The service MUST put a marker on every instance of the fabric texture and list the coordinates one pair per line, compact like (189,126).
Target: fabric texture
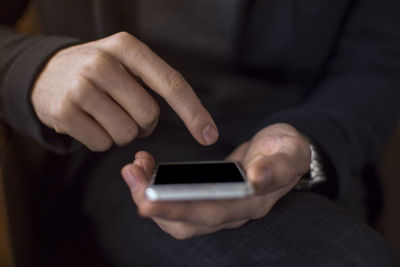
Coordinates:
(328,67)
(303,229)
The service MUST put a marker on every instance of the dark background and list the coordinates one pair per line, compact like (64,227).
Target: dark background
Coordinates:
(389,220)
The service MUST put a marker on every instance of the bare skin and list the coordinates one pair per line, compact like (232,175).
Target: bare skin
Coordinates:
(274,160)
(91,92)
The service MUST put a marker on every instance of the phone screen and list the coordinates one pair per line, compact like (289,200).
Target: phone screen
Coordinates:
(192,173)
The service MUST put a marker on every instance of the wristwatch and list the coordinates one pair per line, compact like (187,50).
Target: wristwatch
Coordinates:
(315,176)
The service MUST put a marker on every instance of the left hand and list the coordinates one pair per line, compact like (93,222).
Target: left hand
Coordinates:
(273,160)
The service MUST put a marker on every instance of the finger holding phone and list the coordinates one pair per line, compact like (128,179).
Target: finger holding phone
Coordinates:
(273,161)
(92,92)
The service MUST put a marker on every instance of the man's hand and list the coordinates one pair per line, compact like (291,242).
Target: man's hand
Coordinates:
(91,93)
(274,160)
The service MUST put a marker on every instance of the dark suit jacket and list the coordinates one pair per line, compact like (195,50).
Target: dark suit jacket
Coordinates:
(338,61)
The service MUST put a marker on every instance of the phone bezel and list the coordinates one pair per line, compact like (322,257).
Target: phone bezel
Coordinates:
(198,191)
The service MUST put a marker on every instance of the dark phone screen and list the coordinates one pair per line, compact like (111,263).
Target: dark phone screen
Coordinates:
(193,173)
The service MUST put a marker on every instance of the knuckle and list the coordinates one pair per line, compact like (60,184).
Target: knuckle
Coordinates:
(148,209)
(59,128)
(150,116)
(287,128)
(102,146)
(127,45)
(265,206)
(61,112)
(96,61)
(298,142)
(79,90)
(287,139)
(146,133)
(175,83)
(127,135)
(143,212)
(119,39)
(122,36)
(181,232)
(262,212)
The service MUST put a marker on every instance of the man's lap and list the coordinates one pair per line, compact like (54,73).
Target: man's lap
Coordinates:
(303,229)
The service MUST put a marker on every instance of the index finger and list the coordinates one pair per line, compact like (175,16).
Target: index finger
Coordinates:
(165,81)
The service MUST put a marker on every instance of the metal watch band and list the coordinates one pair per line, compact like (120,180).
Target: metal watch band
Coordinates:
(316,173)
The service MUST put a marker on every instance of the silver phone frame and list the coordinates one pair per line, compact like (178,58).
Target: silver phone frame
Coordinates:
(198,191)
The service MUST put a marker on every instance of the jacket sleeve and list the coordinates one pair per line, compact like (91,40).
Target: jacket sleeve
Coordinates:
(354,108)
(22,57)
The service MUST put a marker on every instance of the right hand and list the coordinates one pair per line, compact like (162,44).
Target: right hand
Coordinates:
(90,92)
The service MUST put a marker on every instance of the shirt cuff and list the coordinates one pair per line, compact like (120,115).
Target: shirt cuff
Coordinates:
(18,111)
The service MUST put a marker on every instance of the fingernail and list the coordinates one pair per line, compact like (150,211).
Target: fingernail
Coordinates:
(210,134)
(130,179)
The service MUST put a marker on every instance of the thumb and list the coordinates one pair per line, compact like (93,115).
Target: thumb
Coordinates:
(270,173)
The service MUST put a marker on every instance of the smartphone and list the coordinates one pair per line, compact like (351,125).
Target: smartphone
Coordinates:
(198,181)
